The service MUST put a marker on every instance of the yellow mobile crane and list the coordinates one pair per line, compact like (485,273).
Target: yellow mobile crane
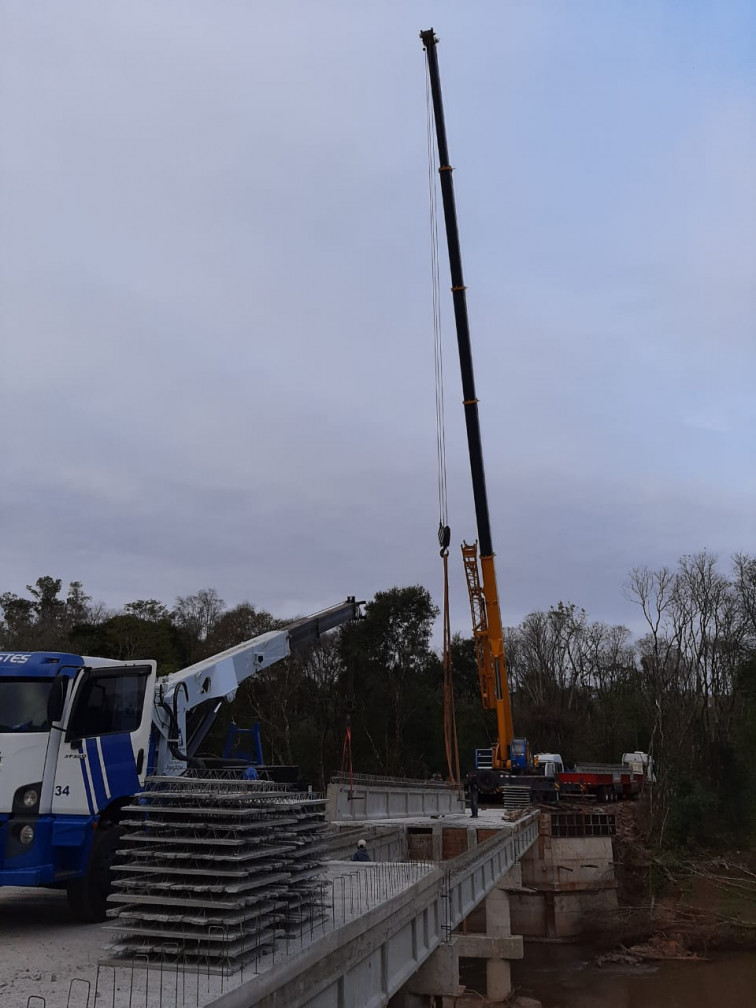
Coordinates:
(509,761)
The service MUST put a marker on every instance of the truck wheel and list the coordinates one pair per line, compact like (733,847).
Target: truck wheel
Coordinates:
(486,781)
(88,896)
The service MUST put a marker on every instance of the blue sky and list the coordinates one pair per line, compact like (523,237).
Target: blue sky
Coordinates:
(215,303)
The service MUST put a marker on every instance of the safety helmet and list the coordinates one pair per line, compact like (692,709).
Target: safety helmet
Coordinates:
(361,843)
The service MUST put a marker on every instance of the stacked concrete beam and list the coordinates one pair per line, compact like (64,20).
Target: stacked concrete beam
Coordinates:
(215,870)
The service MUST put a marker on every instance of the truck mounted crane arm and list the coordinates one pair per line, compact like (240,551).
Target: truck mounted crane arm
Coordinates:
(481,582)
(187,701)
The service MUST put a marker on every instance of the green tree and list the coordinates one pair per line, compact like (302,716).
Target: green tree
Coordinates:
(43,622)
(397,684)
(18,622)
(125,637)
(476,726)
(239,624)
(147,609)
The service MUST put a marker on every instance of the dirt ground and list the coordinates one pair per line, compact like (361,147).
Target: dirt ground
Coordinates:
(42,950)
(48,960)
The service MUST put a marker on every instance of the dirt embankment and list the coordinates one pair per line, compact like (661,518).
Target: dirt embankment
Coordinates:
(675,908)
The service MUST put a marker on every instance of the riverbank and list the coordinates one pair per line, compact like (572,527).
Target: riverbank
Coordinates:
(674,906)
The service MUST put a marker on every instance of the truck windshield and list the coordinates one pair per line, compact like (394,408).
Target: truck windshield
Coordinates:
(23,705)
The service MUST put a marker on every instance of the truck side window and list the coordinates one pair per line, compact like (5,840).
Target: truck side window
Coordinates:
(108,704)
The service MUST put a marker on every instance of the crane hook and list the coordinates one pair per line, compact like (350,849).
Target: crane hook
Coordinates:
(444,538)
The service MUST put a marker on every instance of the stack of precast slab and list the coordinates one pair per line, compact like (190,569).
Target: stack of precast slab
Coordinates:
(215,871)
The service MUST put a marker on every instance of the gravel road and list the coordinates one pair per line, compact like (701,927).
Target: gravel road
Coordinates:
(42,950)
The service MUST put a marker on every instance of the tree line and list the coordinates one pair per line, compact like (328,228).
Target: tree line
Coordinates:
(684,690)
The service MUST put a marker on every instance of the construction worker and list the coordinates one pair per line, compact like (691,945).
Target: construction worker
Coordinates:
(361,853)
(471,787)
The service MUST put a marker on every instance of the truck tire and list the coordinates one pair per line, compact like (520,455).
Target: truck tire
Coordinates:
(88,895)
(486,781)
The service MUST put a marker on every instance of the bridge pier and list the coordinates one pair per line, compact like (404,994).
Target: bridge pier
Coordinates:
(436,984)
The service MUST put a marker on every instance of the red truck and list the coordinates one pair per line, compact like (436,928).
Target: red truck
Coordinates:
(606,782)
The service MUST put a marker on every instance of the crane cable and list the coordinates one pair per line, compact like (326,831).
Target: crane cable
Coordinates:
(444,532)
(347,769)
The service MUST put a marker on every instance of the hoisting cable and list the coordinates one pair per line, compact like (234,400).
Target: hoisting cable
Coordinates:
(346,752)
(450,721)
(444,532)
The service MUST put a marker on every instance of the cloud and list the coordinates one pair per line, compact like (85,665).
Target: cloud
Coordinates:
(216,357)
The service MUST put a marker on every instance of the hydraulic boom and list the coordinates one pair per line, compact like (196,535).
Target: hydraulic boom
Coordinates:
(481,580)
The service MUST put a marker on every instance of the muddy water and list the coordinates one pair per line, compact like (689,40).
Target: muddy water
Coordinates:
(562,976)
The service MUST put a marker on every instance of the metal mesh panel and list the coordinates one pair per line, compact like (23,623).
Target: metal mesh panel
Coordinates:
(214,869)
(581,824)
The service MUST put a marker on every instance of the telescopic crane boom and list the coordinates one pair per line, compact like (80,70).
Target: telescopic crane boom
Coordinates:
(481,581)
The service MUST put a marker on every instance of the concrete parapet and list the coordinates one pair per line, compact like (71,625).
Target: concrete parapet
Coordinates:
(384,843)
(370,800)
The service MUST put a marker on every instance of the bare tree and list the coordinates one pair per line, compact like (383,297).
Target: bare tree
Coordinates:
(196,615)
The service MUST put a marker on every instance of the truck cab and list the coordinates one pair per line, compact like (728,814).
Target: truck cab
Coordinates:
(74,746)
(641,763)
(550,763)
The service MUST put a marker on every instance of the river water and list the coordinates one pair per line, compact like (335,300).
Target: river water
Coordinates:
(563,976)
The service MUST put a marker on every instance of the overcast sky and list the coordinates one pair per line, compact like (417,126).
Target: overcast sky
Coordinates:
(217,357)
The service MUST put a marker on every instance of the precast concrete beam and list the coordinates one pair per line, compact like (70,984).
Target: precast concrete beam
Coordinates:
(371,801)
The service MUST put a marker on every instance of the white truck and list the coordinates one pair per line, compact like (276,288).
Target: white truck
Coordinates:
(80,735)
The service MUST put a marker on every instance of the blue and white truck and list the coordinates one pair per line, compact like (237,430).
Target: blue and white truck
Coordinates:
(79,736)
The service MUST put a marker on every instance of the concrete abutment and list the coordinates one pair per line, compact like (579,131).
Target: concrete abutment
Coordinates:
(567,877)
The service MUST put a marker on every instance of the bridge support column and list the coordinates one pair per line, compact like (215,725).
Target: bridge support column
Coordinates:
(498,946)
(436,983)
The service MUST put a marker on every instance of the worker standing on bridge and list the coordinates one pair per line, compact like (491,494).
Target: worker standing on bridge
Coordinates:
(471,787)
(361,853)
